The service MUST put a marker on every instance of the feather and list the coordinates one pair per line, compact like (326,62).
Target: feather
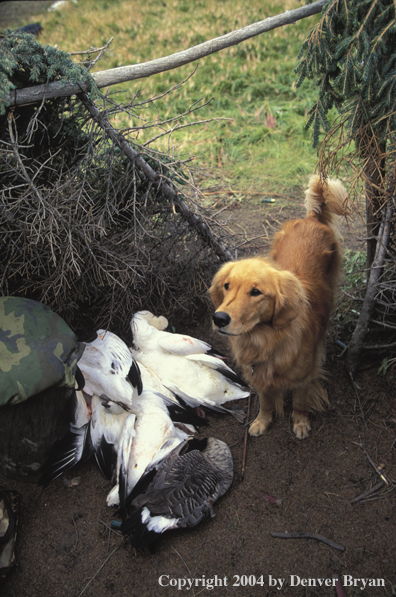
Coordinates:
(153,427)
(180,490)
(109,370)
(183,365)
(65,453)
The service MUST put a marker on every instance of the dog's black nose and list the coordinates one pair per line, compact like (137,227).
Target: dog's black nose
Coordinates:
(221,319)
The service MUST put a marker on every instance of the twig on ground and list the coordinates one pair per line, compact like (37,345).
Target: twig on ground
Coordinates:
(356,387)
(75,528)
(367,493)
(246,436)
(351,296)
(378,346)
(197,550)
(183,560)
(375,467)
(100,568)
(109,528)
(304,535)
(383,324)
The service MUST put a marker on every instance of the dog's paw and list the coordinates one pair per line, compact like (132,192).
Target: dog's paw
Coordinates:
(260,425)
(301,425)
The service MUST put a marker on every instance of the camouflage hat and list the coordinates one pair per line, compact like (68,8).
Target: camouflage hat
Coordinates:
(38,350)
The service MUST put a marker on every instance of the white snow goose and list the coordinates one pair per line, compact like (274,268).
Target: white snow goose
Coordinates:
(153,428)
(110,379)
(184,366)
(106,430)
(110,370)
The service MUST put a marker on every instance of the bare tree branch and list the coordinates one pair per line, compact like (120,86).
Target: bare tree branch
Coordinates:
(355,345)
(134,156)
(147,69)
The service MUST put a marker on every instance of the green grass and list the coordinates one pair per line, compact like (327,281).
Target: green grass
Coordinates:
(263,146)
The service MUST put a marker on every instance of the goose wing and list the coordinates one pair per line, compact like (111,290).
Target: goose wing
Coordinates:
(73,447)
(106,429)
(181,344)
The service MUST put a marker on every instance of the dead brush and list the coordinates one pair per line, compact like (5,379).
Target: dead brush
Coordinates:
(95,225)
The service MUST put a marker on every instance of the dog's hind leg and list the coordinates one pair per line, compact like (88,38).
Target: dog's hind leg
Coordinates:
(310,396)
(271,400)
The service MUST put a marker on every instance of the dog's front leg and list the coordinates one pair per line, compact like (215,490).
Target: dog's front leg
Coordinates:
(301,424)
(269,402)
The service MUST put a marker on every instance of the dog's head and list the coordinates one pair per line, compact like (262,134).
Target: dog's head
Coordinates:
(251,292)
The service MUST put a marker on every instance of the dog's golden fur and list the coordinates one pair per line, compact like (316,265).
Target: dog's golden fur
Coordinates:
(276,310)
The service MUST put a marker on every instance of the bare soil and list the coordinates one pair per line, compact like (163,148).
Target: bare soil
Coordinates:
(65,547)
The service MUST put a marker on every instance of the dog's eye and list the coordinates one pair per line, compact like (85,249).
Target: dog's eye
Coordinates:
(255,292)
(226,285)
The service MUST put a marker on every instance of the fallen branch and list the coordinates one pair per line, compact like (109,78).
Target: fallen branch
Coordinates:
(304,535)
(140,71)
(194,220)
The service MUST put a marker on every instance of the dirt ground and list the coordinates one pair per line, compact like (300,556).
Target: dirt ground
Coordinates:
(65,547)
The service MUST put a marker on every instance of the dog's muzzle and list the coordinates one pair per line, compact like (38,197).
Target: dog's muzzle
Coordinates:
(221,319)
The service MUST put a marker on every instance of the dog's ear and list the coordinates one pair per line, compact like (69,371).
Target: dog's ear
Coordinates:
(289,301)
(217,288)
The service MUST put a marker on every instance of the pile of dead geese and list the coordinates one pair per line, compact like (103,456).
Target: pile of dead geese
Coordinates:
(136,411)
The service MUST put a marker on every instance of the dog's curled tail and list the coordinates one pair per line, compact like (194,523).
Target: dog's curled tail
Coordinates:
(326,199)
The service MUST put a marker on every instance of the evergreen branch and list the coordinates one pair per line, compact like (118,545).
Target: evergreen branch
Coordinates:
(383,33)
(346,12)
(347,73)
(25,61)
(365,21)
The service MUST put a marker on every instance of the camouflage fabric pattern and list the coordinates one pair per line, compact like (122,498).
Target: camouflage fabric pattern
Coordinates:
(38,350)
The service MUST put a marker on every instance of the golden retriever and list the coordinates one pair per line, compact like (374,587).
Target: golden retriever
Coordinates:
(276,310)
